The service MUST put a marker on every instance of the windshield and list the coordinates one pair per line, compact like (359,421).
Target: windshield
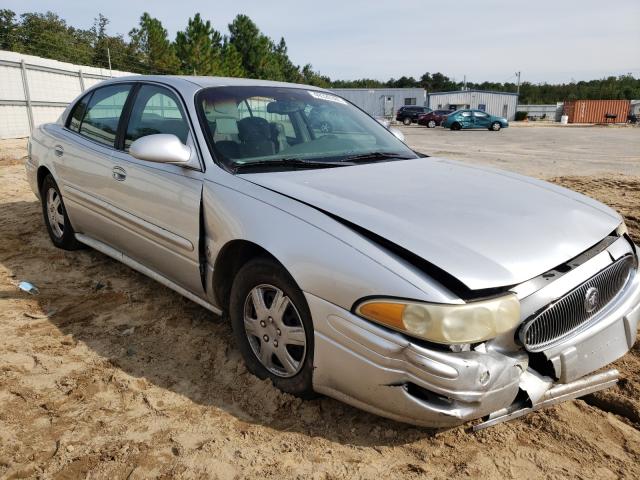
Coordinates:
(283,127)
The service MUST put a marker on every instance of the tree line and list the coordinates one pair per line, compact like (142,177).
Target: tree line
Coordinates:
(242,51)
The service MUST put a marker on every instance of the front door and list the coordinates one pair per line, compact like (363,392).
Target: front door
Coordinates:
(466,119)
(159,203)
(480,119)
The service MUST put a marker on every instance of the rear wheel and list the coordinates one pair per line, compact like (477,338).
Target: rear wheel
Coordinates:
(431,124)
(495,126)
(55,216)
(456,126)
(272,326)
(406,121)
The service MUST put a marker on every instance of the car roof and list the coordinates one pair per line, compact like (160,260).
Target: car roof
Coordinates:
(204,82)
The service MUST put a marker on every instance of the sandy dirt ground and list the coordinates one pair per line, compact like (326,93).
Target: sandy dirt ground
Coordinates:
(107,374)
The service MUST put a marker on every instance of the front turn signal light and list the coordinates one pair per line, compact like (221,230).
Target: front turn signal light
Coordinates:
(449,324)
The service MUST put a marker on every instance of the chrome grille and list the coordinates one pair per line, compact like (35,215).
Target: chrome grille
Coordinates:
(573,311)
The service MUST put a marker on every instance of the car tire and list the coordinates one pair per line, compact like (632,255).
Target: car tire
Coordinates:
(275,343)
(406,121)
(431,124)
(325,127)
(495,127)
(456,126)
(55,216)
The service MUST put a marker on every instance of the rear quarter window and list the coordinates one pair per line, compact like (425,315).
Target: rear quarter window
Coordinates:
(77,113)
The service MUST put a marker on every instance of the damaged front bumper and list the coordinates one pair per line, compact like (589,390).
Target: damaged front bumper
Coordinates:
(385,373)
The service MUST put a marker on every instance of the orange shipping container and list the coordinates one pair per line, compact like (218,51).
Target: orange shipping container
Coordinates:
(597,111)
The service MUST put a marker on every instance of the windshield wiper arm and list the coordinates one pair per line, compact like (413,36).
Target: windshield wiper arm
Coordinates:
(375,156)
(286,162)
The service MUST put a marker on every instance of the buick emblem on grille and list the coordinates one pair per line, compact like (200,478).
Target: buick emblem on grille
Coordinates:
(591,299)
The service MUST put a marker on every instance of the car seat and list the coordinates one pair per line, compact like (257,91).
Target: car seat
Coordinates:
(255,137)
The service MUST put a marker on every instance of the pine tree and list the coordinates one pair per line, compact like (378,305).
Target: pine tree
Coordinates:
(199,47)
(256,50)
(231,61)
(152,46)
(290,72)
(8,28)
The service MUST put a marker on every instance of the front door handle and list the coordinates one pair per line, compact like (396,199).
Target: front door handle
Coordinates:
(58,150)
(119,174)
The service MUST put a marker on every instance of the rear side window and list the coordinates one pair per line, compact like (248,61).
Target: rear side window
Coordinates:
(156,110)
(79,109)
(101,120)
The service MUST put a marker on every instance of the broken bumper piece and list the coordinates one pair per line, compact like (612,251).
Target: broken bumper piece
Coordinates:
(385,373)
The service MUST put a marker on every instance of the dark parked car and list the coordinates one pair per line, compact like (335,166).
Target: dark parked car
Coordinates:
(433,119)
(409,114)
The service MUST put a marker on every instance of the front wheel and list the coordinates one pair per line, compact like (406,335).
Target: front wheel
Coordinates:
(406,121)
(495,126)
(55,216)
(431,124)
(272,326)
(456,126)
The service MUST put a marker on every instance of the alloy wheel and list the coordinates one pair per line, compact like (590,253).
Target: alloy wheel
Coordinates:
(275,330)
(55,213)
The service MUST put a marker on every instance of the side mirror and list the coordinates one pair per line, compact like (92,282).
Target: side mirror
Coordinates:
(160,148)
(397,133)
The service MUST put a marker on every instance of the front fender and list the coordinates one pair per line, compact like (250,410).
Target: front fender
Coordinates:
(326,258)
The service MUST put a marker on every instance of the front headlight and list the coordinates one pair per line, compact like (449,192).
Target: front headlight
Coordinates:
(622,230)
(449,324)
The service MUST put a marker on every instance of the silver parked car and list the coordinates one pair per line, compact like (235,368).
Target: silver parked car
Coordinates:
(421,289)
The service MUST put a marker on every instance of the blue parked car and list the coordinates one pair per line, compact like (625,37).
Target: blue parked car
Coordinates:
(474,119)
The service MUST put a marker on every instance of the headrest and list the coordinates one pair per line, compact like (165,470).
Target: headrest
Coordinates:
(226,126)
(251,126)
(227,108)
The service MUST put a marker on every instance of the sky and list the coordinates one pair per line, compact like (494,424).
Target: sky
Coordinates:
(547,40)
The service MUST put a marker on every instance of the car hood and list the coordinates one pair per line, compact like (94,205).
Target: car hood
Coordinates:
(487,228)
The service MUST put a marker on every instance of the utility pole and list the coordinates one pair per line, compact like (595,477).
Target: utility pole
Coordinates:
(518,75)
(109,59)
(464,82)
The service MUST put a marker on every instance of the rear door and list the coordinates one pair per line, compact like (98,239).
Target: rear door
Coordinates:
(159,204)
(83,163)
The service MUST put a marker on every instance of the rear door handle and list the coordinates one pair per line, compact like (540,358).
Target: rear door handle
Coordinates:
(119,174)
(58,150)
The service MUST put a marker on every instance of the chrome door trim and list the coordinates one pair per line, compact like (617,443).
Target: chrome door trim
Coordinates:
(117,255)
(127,220)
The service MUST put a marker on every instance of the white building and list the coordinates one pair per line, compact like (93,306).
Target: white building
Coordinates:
(502,104)
(382,102)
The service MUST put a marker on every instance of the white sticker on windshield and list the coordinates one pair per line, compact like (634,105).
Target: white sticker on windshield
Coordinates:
(327,97)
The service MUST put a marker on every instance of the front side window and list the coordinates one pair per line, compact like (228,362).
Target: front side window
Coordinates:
(480,114)
(156,110)
(258,125)
(100,122)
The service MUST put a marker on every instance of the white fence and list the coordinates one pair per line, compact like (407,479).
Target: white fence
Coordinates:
(35,90)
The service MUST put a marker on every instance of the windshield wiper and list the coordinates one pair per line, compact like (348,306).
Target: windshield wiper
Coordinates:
(294,163)
(375,157)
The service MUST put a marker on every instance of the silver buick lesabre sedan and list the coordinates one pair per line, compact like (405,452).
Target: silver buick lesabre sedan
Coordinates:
(418,288)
